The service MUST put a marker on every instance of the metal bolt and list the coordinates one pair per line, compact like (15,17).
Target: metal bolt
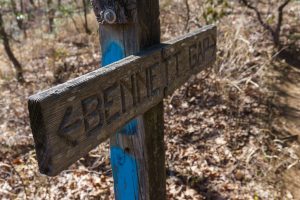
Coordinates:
(109,16)
(100,18)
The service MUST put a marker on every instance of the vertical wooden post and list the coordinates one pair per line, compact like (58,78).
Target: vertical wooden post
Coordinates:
(137,151)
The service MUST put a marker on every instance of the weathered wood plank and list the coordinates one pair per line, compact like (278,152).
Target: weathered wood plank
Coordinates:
(72,118)
(123,157)
(117,42)
(155,152)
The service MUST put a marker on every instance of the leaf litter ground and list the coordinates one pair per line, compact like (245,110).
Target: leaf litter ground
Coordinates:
(219,136)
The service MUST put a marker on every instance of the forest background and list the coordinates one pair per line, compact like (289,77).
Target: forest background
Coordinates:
(231,132)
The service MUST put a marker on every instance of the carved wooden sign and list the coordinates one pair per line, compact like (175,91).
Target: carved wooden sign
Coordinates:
(71,119)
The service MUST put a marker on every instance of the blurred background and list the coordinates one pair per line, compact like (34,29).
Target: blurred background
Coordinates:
(231,132)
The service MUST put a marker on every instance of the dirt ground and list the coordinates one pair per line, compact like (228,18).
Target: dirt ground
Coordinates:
(285,82)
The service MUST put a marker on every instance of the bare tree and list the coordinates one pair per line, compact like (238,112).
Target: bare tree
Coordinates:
(32,3)
(51,15)
(288,52)
(5,40)
(58,3)
(85,10)
(188,15)
(274,31)
(19,15)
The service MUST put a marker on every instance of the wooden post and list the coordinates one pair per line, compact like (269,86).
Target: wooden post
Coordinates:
(137,151)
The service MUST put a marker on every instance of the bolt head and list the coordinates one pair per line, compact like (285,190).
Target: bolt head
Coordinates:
(109,16)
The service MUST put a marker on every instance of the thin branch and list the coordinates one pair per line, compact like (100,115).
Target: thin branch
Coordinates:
(259,17)
(188,15)
(275,32)
(21,179)
(280,15)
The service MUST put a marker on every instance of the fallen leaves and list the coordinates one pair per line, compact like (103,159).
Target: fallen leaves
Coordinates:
(218,143)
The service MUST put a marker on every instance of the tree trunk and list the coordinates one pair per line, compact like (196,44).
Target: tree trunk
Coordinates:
(59,4)
(51,15)
(23,24)
(85,10)
(32,4)
(10,54)
(19,16)
(141,141)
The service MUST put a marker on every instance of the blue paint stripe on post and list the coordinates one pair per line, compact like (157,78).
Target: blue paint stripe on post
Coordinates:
(130,128)
(124,166)
(125,175)
(113,52)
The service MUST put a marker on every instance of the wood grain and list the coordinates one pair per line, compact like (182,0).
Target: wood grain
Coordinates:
(70,119)
(134,178)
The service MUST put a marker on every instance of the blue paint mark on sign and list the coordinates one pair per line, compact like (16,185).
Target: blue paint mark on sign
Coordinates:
(125,174)
(124,166)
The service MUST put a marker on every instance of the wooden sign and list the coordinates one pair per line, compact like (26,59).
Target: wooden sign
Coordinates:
(71,119)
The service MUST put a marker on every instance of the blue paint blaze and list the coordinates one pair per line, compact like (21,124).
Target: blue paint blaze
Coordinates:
(112,53)
(125,175)
(131,128)
(124,166)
